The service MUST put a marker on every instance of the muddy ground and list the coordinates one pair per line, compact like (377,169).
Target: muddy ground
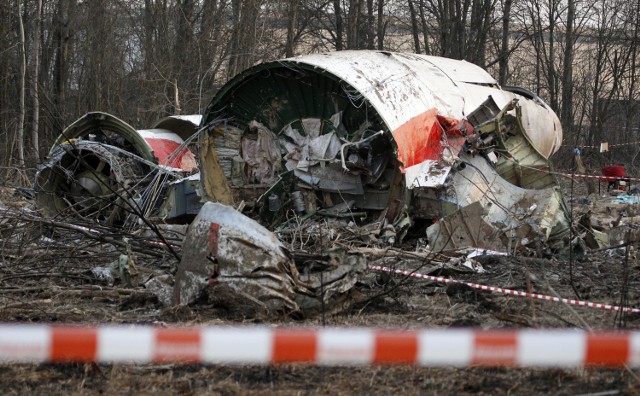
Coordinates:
(46,275)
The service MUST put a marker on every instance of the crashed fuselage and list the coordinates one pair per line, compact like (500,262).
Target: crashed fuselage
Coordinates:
(383,135)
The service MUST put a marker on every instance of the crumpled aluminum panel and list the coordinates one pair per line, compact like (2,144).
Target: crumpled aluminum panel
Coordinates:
(166,148)
(403,86)
(223,245)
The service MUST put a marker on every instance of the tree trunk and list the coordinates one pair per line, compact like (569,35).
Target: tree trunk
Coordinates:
(22,85)
(243,39)
(339,25)
(551,68)
(414,27)
(235,38)
(291,28)
(370,25)
(148,42)
(35,90)
(504,45)
(566,115)
(353,28)
(181,52)
(61,66)
(425,29)
(381,24)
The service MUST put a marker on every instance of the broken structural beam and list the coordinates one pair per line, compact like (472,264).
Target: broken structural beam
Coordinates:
(29,343)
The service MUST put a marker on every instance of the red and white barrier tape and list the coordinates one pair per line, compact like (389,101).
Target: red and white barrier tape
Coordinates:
(601,178)
(326,346)
(609,146)
(440,279)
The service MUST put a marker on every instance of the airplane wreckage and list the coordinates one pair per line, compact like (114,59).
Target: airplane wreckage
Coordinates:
(390,142)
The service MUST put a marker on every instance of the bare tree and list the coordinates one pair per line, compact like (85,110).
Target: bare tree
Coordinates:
(415,29)
(35,81)
(337,10)
(566,115)
(243,41)
(504,44)
(22,87)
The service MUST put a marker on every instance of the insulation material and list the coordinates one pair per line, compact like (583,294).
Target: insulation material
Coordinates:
(310,149)
(262,155)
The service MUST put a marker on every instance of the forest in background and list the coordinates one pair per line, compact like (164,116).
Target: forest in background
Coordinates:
(142,60)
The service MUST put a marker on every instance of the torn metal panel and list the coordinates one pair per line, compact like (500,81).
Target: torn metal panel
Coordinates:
(517,216)
(105,127)
(464,228)
(503,135)
(183,200)
(330,282)
(182,125)
(331,179)
(215,180)
(169,149)
(542,126)
(429,173)
(224,245)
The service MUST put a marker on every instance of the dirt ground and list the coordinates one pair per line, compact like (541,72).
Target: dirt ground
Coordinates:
(47,275)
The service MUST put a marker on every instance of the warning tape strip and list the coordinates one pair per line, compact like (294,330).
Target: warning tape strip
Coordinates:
(609,146)
(440,279)
(601,178)
(29,343)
